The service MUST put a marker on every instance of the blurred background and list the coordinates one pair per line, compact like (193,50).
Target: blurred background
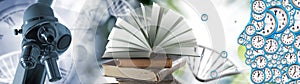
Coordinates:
(86,18)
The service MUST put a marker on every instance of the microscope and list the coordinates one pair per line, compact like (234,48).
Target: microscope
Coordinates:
(44,39)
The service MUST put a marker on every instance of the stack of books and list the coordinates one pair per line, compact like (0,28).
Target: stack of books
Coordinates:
(147,45)
(157,69)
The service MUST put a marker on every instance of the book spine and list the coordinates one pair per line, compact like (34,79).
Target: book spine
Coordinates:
(145,63)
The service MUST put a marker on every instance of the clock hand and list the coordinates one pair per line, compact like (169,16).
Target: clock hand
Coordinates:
(294,71)
(270,45)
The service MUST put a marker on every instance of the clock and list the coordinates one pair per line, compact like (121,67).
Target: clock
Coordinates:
(296,26)
(259,25)
(268,74)
(270,24)
(258,17)
(261,61)
(277,80)
(257,76)
(282,17)
(290,58)
(250,29)
(298,54)
(275,56)
(253,65)
(258,41)
(297,42)
(271,46)
(287,39)
(295,3)
(294,71)
(285,78)
(276,72)
(258,6)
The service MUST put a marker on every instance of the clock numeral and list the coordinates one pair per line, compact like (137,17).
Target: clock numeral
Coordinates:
(9,21)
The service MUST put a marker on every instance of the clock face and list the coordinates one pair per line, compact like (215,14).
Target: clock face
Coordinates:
(298,54)
(295,3)
(276,72)
(287,39)
(282,18)
(258,17)
(284,78)
(258,6)
(290,58)
(258,41)
(270,24)
(297,42)
(250,29)
(296,26)
(268,74)
(259,25)
(271,46)
(257,76)
(294,71)
(261,61)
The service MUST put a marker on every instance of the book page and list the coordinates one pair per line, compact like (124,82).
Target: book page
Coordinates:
(169,21)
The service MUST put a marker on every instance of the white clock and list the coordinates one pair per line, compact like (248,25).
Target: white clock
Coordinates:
(295,3)
(257,76)
(268,74)
(294,71)
(282,18)
(259,25)
(298,54)
(285,78)
(297,42)
(276,72)
(258,6)
(287,39)
(296,26)
(261,61)
(270,24)
(258,17)
(258,41)
(250,29)
(271,46)
(290,58)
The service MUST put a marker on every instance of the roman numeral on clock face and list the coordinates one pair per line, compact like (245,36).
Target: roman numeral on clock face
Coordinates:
(9,21)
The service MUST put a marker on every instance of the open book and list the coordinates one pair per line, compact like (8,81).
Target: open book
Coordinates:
(150,29)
